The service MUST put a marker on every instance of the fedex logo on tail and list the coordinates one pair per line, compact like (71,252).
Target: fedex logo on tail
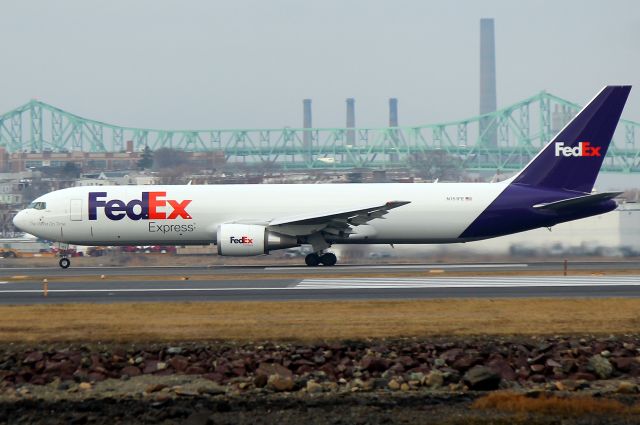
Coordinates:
(583,149)
(151,206)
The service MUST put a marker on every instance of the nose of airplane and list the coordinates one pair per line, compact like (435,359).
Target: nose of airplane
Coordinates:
(20,220)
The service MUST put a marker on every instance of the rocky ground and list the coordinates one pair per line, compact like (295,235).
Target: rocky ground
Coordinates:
(432,380)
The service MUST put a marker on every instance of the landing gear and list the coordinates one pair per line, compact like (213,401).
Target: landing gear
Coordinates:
(327,259)
(64,262)
(312,260)
(318,245)
(63,251)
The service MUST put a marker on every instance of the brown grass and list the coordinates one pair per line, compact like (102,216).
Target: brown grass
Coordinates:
(314,320)
(506,401)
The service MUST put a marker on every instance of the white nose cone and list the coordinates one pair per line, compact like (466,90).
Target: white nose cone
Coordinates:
(20,221)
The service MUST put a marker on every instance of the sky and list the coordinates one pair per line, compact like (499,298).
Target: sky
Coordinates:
(198,64)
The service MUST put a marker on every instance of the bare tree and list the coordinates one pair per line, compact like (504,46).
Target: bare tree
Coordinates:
(437,165)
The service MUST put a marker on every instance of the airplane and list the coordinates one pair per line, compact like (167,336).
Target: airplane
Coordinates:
(247,220)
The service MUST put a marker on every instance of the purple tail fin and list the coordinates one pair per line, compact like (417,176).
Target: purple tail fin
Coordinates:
(572,160)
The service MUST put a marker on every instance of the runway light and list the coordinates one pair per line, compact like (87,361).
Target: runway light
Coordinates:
(184,278)
(101,276)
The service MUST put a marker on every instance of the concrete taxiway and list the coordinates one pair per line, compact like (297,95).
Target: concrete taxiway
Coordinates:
(240,283)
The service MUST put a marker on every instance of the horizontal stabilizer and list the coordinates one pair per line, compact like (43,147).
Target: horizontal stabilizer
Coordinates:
(579,201)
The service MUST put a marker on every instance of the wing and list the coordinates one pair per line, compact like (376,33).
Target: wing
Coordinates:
(337,223)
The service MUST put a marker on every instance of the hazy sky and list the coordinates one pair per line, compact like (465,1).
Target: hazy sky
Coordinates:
(249,63)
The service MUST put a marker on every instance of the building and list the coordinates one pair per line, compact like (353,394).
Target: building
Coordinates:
(93,161)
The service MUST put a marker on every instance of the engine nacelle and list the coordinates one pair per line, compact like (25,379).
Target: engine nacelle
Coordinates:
(243,240)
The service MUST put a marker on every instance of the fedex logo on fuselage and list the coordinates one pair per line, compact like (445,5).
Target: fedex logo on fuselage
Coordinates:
(151,206)
(244,240)
(583,149)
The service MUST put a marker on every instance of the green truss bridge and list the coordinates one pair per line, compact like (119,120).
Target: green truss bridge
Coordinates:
(510,137)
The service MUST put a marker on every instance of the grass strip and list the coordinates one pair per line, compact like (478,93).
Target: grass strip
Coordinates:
(316,320)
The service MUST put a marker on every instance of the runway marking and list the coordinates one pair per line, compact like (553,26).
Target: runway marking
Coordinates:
(410,266)
(105,268)
(111,291)
(381,283)
(260,266)
(466,282)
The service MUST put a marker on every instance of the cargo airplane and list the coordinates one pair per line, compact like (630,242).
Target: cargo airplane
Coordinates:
(244,220)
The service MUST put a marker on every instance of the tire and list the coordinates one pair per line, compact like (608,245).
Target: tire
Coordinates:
(64,263)
(329,259)
(312,260)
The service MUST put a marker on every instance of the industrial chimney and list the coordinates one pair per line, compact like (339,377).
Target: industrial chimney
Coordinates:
(393,112)
(306,125)
(488,133)
(351,121)
(393,122)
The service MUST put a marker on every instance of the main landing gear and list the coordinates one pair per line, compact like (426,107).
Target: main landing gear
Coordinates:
(327,259)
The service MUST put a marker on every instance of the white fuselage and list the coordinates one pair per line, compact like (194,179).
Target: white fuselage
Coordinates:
(437,212)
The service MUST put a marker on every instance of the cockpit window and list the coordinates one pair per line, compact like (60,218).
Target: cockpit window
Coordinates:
(38,205)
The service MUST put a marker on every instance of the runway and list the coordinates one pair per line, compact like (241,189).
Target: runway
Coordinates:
(271,284)
(261,270)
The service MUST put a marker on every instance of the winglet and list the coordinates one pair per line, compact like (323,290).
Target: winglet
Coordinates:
(395,204)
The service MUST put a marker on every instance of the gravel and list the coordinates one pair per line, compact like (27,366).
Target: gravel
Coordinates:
(432,380)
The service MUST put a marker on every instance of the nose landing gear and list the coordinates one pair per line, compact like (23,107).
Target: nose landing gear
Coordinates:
(63,250)
(64,262)
(327,259)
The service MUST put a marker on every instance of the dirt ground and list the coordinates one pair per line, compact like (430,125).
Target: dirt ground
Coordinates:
(315,410)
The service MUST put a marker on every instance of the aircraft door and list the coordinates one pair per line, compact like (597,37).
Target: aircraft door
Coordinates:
(75,210)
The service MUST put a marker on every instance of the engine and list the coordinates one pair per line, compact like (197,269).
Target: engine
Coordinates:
(242,240)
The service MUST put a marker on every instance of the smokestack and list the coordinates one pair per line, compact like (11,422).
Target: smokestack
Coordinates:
(487,80)
(306,123)
(393,122)
(351,120)
(393,112)
(306,110)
